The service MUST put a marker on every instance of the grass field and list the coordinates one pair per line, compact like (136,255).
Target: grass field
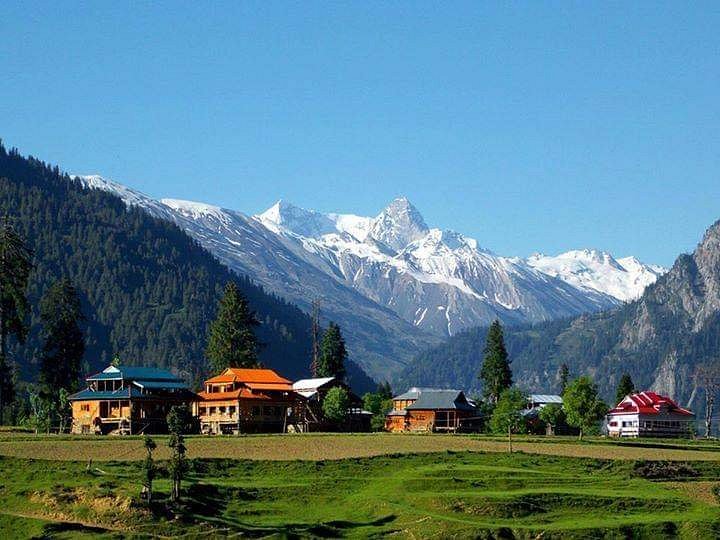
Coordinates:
(358,490)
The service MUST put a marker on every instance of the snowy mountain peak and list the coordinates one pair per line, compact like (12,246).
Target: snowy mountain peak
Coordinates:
(196,210)
(399,224)
(286,217)
(590,269)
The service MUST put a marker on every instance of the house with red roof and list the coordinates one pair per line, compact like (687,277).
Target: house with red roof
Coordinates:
(241,400)
(647,414)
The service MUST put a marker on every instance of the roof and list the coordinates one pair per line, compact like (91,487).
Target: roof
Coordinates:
(414,393)
(233,395)
(305,385)
(162,385)
(397,412)
(545,398)
(122,393)
(648,403)
(133,373)
(248,375)
(441,399)
(270,386)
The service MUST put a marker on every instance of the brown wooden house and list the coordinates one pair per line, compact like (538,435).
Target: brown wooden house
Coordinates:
(128,400)
(429,409)
(247,400)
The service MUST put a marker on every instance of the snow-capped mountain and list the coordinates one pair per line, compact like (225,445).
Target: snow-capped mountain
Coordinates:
(624,279)
(393,283)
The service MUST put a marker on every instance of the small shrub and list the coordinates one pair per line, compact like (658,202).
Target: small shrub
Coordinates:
(664,470)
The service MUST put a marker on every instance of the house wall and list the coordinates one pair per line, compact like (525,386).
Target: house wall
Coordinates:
(252,415)
(649,425)
(84,414)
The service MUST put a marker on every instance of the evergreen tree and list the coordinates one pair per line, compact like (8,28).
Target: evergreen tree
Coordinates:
(384,390)
(332,353)
(625,387)
(495,372)
(63,341)
(15,266)
(564,375)
(232,341)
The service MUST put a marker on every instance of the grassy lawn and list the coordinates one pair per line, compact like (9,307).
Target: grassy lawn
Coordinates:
(459,494)
(340,446)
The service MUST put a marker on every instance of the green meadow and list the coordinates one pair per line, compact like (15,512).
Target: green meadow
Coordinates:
(441,494)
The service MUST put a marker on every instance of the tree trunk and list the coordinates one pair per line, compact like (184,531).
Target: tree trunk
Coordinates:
(581,435)
(509,440)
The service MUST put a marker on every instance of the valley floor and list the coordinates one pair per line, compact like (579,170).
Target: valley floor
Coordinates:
(364,485)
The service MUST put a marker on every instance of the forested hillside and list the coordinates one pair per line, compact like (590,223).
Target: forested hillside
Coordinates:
(659,339)
(149,291)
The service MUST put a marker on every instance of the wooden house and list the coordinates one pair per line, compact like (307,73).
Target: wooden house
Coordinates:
(314,391)
(128,400)
(242,400)
(647,414)
(430,409)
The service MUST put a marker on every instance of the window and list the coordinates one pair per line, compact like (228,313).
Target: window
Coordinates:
(85,407)
(231,409)
(613,424)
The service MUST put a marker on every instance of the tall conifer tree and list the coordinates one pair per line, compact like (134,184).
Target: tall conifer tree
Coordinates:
(63,341)
(15,266)
(232,341)
(495,372)
(625,387)
(332,353)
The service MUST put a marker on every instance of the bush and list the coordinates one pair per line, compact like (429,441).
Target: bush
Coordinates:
(181,421)
(335,405)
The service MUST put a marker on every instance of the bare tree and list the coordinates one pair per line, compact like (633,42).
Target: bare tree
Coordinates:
(315,337)
(707,377)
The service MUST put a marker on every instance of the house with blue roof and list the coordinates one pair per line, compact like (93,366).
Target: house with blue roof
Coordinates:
(430,409)
(128,400)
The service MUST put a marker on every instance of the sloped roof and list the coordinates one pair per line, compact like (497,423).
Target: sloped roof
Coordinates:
(249,375)
(233,395)
(545,398)
(161,385)
(134,373)
(441,399)
(311,384)
(414,393)
(123,393)
(648,403)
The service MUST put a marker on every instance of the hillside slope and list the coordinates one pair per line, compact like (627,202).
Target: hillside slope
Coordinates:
(659,339)
(149,291)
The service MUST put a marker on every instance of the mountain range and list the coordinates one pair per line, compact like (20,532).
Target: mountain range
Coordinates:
(395,285)
(659,339)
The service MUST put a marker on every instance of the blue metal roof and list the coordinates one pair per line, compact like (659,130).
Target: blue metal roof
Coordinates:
(441,399)
(133,373)
(167,385)
(123,393)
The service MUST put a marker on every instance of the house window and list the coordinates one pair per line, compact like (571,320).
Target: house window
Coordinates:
(85,407)
(231,409)
(613,424)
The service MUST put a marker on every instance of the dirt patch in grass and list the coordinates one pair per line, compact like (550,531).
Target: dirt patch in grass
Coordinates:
(323,447)
(703,491)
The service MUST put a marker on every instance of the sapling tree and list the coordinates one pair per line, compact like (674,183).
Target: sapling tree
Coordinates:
(507,416)
(149,469)
(178,465)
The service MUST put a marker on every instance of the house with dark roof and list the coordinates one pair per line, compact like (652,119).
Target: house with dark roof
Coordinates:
(430,409)
(248,400)
(647,414)
(128,400)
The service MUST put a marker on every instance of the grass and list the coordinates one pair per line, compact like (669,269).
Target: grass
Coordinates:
(449,494)
(321,485)
(341,446)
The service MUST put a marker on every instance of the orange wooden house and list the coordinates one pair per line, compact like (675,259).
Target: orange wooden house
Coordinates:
(430,409)
(241,400)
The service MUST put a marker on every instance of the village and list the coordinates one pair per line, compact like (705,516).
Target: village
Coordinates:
(127,400)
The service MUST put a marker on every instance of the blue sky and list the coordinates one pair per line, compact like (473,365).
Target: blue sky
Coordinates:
(531,126)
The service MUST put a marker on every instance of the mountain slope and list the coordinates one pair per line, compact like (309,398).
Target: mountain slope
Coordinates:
(659,338)
(395,285)
(148,289)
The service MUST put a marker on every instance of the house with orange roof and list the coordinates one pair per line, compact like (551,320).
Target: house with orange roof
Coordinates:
(243,400)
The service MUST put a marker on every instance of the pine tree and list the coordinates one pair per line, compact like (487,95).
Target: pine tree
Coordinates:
(625,387)
(495,372)
(564,375)
(232,341)
(15,266)
(63,341)
(332,353)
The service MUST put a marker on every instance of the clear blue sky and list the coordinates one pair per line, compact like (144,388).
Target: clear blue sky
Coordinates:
(535,126)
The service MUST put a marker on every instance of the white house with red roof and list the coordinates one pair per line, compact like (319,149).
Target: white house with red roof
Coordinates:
(648,414)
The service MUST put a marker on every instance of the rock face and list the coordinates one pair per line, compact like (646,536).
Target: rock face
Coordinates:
(395,285)
(659,339)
